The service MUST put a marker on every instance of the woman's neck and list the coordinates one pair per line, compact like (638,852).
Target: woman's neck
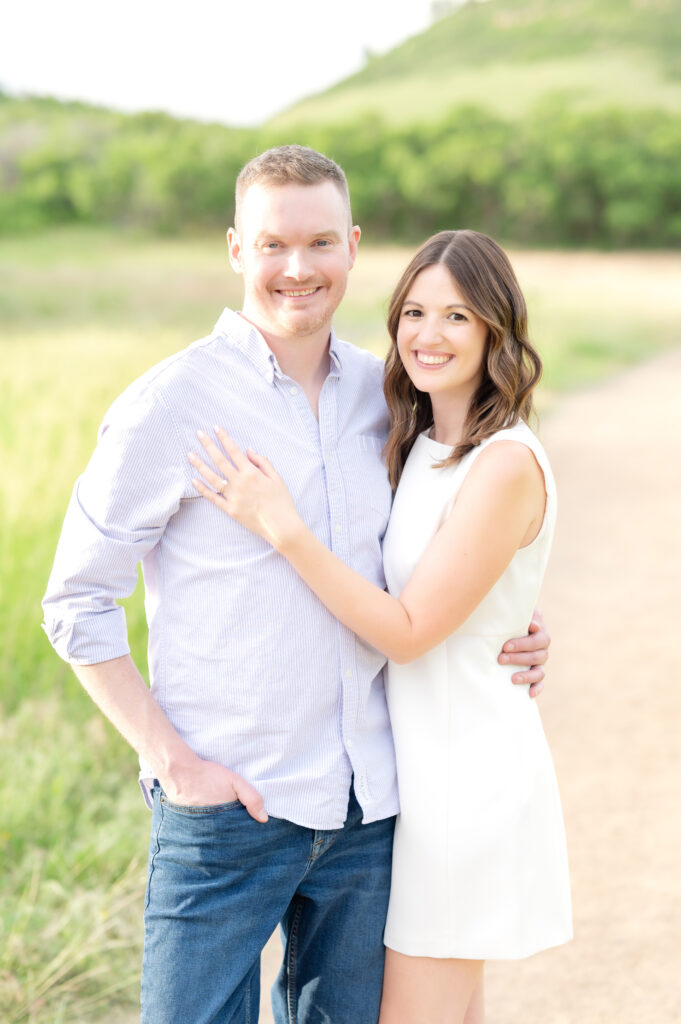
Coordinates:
(449,418)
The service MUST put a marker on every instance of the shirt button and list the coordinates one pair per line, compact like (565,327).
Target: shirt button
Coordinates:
(348,673)
(338,528)
(293,390)
(349,744)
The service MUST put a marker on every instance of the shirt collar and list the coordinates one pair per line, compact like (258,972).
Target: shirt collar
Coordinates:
(241,334)
(336,366)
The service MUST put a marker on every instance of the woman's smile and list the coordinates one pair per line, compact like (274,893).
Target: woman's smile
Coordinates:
(432,359)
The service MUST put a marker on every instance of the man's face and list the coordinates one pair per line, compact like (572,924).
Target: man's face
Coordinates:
(294,249)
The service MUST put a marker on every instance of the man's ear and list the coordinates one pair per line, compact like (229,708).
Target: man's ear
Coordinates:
(234,249)
(355,234)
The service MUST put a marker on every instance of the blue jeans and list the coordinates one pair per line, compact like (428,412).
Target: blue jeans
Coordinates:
(219,882)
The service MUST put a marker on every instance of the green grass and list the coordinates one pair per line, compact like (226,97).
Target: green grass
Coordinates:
(73,843)
(84,312)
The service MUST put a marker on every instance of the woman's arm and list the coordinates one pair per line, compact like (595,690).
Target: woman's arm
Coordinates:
(499,508)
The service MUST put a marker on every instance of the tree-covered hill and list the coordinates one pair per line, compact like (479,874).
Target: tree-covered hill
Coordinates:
(579,167)
(507,55)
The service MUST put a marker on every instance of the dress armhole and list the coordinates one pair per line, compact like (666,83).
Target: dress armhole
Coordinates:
(542,462)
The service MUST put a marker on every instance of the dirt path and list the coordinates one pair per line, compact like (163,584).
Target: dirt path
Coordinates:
(612,710)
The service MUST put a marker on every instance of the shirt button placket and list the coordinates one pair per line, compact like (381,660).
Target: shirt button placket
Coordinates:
(340,545)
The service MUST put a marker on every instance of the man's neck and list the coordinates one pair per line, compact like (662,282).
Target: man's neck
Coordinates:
(304,359)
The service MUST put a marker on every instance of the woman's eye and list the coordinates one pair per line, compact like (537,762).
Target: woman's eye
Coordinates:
(457,317)
(412,313)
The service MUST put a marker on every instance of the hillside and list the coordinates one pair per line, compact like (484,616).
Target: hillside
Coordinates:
(540,122)
(507,55)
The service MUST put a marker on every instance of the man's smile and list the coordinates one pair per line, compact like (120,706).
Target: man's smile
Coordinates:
(297,293)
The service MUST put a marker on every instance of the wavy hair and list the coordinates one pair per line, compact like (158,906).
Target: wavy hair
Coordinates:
(511,368)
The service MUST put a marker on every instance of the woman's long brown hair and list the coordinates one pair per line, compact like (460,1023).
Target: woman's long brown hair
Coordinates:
(511,369)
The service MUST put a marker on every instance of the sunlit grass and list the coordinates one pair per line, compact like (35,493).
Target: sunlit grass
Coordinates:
(72,848)
(83,314)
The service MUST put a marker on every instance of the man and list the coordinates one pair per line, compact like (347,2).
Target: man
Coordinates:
(264,742)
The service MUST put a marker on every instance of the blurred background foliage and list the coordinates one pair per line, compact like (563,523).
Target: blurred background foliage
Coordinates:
(544,123)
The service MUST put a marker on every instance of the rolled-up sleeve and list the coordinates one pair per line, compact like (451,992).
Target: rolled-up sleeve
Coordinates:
(118,510)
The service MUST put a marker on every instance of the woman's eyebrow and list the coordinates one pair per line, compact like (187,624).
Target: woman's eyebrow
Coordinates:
(451,305)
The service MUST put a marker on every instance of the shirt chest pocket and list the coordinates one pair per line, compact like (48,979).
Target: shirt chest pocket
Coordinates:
(368,491)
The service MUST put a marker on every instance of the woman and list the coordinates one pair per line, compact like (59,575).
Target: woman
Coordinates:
(479,864)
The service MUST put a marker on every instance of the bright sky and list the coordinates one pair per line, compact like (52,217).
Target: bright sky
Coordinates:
(210,59)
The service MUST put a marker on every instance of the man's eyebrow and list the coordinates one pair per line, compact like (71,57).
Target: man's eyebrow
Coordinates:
(272,236)
(264,236)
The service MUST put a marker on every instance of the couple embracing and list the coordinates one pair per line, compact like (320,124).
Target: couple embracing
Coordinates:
(252,475)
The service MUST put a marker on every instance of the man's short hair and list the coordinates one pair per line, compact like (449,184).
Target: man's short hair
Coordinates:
(290,165)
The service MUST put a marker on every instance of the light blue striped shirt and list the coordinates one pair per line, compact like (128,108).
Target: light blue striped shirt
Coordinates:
(247,664)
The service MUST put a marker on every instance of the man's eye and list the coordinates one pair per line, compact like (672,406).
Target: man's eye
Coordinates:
(322,242)
(272,245)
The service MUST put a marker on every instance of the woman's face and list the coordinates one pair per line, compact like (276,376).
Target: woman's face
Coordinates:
(440,339)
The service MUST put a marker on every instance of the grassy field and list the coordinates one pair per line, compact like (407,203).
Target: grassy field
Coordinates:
(83,313)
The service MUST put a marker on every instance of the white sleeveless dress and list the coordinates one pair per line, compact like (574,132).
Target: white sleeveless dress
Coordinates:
(479,864)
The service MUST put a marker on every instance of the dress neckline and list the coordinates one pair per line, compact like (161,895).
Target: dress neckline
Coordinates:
(435,444)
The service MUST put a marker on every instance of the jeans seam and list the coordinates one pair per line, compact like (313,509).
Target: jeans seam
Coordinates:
(291,964)
(155,854)
(248,1002)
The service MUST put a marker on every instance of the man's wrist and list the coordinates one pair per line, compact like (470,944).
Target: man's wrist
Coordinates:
(175,765)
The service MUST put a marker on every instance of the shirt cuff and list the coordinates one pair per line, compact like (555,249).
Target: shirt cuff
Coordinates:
(90,640)
(147,781)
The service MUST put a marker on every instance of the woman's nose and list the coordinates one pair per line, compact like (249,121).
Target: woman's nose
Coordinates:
(429,332)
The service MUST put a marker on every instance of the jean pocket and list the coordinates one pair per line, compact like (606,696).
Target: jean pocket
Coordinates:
(200,811)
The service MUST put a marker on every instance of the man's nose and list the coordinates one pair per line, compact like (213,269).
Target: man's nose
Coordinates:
(298,264)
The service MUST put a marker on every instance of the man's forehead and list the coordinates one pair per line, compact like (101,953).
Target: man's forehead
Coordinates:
(280,194)
(265,204)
